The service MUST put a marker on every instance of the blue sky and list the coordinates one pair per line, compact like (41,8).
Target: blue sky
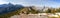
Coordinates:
(51,3)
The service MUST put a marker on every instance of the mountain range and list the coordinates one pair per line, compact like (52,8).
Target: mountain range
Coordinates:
(5,8)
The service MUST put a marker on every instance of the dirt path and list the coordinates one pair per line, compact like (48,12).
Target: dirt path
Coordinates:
(29,16)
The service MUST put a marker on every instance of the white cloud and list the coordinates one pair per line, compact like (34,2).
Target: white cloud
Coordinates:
(3,2)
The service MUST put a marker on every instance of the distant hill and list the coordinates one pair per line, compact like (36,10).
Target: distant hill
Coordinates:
(5,8)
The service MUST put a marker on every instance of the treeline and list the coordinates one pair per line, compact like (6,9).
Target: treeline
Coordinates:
(53,10)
